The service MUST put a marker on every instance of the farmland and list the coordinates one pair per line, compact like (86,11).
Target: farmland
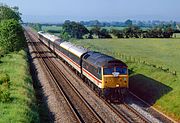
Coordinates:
(177,35)
(154,65)
(56,28)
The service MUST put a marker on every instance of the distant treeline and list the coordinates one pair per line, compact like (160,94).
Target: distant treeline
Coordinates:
(164,31)
(146,24)
(72,29)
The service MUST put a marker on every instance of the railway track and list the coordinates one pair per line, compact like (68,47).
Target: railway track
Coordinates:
(124,111)
(130,113)
(82,111)
(50,77)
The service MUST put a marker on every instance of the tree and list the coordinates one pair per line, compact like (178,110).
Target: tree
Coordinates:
(95,30)
(104,33)
(65,35)
(74,29)
(11,35)
(37,26)
(117,33)
(128,22)
(9,13)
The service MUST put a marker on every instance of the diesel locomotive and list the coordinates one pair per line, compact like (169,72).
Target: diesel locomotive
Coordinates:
(105,74)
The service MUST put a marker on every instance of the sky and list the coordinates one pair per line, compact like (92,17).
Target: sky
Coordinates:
(54,11)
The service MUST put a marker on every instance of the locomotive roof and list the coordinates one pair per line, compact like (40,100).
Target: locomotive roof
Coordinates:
(51,37)
(99,59)
(76,50)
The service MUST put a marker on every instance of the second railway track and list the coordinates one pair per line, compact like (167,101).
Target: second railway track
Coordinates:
(82,111)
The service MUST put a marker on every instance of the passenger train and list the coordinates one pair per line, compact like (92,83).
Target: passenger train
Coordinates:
(105,74)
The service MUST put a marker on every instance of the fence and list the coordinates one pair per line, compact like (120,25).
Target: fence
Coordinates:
(132,59)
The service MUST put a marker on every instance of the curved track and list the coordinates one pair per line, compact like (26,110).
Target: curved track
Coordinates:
(81,110)
(78,104)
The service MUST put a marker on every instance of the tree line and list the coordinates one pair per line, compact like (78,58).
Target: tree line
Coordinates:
(146,24)
(11,32)
(164,31)
(71,29)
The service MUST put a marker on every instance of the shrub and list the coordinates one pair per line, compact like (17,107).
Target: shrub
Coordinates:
(4,87)
(4,78)
(11,35)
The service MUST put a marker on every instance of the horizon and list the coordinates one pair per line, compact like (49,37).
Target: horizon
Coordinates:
(59,20)
(105,11)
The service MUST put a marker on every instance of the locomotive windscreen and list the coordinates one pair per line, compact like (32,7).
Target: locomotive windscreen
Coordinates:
(111,70)
(115,63)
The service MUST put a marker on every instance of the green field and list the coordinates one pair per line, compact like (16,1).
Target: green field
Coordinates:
(176,35)
(56,28)
(154,65)
(17,96)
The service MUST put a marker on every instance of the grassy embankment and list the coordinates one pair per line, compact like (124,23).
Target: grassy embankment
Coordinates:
(17,103)
(155,68)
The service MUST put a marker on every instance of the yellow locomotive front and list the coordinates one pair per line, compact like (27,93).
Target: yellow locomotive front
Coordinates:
(115,78)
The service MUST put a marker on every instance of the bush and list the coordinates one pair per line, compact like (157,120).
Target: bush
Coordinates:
(11,35)
(4,78)
(7,12)
(4,87)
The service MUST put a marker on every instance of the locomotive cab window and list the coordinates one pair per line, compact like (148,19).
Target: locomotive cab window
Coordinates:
(108,71)
(121,70)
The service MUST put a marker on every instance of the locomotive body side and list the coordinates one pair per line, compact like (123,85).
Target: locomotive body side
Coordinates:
(108,73)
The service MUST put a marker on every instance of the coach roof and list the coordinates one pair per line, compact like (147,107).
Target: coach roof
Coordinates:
(52,38)
(76,50)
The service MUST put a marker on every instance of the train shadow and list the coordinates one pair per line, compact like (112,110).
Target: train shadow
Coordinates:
(147,88)
(40,52)
(45,57)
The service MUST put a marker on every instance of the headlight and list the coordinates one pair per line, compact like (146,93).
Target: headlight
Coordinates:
(124,78)
(117,85)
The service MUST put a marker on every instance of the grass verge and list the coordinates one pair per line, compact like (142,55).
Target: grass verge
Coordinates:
(21,106)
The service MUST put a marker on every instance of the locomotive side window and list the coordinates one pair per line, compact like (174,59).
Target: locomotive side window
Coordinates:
(93,70)
(99,73)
